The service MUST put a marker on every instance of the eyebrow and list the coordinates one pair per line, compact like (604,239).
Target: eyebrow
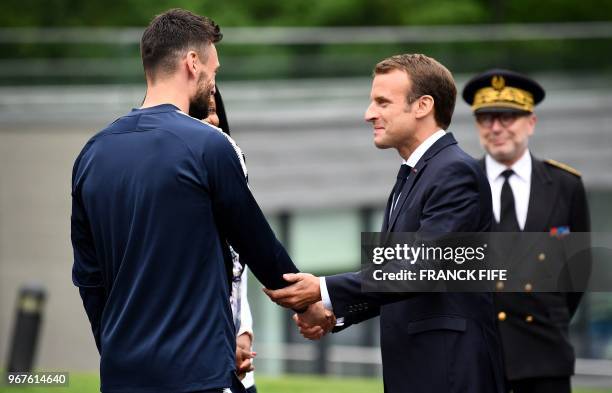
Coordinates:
(381,99)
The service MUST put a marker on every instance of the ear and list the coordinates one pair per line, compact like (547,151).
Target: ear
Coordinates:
(193,63)
(425,106)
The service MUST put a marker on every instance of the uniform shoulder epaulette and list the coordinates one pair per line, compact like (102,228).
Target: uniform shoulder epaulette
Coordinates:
(563,166)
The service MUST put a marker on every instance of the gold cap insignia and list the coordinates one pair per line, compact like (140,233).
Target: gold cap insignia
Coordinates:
(499,95)
(498,82)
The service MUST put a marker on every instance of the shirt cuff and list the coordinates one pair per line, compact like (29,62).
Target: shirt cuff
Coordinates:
(325,295)
(241,331)
(327,300)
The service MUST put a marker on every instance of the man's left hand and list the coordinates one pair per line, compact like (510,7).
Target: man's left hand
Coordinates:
(315,322)
(244,364)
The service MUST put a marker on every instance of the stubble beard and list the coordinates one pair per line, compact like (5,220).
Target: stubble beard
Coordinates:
(198,104)
(507,156)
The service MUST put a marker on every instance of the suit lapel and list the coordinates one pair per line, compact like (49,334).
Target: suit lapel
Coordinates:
(440,144)
(542,201)
(385,224)
(412,179)
(542,198)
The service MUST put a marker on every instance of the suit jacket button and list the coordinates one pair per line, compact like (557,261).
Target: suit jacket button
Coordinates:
(528,287)
(529,318)
(541,257)
(501,316)
(499,285)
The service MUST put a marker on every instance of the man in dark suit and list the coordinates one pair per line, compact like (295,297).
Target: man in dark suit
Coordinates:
(529,195)
(430,342)
(155,195)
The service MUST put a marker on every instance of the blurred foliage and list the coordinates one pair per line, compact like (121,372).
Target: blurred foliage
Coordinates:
(302,12)
(76,63)
(27,64)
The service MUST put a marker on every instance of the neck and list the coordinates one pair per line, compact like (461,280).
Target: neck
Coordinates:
(166,92)
(420,135)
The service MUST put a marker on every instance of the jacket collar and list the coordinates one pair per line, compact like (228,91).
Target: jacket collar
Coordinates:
(445,141)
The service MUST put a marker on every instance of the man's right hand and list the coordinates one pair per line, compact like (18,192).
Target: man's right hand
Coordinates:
(303,291)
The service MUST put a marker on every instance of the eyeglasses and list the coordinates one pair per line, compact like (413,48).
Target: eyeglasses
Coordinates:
(506,119)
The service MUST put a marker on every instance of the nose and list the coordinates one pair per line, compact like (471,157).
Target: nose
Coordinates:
(496,126)
(370,114)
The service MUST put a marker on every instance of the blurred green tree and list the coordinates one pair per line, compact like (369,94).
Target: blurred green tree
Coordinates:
(302,12)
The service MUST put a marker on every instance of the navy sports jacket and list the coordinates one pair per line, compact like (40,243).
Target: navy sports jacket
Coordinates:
(154,197)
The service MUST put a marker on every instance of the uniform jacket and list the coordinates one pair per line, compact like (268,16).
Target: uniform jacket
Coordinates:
(432,342)
(534,327)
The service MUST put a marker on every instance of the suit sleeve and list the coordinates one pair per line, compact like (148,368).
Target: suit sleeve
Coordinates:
(239,218)
(86,271)
(579,223)
(344,290)
(452,204)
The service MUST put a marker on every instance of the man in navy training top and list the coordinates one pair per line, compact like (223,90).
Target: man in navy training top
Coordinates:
(155,197)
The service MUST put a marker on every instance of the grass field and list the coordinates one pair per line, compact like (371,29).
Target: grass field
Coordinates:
(89,383)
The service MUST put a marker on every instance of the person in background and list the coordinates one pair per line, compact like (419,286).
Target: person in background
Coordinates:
(240,305)
(529,195)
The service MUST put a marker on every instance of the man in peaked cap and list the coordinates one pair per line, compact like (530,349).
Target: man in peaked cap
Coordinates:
(529,195)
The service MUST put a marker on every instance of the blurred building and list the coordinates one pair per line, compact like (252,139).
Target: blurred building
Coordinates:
(312,167)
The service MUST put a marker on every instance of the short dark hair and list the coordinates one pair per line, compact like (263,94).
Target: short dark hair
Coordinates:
(428,77)
(172,33)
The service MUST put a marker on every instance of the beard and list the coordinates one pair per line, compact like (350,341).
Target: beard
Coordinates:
(198,104)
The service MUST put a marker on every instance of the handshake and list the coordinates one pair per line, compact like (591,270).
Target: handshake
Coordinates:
(305,294)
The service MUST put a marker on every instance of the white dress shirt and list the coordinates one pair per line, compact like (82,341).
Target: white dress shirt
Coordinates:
(246,323)
(520,183)
(423,147)
(411,161)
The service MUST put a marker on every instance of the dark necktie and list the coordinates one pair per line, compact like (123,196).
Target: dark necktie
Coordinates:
(507,214)
(402,174)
